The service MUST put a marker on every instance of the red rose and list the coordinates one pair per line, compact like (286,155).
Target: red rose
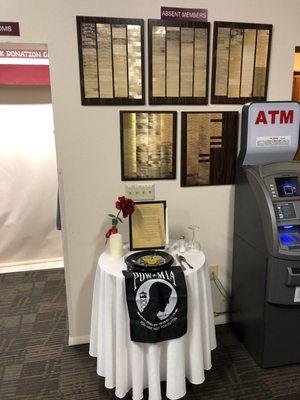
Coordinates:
(125,205)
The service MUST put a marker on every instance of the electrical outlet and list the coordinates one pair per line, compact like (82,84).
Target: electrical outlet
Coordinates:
(139,192)
(213,271)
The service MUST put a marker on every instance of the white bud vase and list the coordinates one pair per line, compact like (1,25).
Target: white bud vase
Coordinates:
(116,246)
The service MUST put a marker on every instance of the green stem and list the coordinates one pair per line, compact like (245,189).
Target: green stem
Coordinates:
(116,219)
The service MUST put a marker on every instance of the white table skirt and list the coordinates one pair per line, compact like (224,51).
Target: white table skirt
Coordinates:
(126,364)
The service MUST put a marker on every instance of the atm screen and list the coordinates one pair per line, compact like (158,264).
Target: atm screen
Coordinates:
(289,235)
(288,186)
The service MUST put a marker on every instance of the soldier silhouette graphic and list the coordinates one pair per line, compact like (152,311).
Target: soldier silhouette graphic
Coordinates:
(159,296)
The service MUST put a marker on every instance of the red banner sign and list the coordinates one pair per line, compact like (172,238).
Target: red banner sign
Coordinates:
(188,14)
(9,29)
(13,53)
(24,67)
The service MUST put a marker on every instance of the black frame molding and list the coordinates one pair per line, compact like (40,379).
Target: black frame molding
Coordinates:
(116,100)
(228,180)
(164,203)
(177,100)
(237,25)
(174,144)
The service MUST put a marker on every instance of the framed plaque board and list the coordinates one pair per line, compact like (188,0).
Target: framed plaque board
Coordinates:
(178,61)
(111,60)
(208,147)
(148,145)
(147,225)
(240,67)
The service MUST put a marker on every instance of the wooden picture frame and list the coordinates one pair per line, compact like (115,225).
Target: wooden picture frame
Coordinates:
(178,61)
(111,60)
(208,147)
(143,233)
(148,145)
(240,64)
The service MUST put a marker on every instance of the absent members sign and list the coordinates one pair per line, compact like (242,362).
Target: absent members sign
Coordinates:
(188,14)
(9,29)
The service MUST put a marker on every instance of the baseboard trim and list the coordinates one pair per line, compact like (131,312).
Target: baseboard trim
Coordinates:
(30,262)
(32,267)
(221,319)
(75,340)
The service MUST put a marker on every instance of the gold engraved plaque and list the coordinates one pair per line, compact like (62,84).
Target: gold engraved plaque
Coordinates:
(200,62)
(222,58)
(111,53)
(105,61)
(240,62)
(178,57)
(89,56)
(187,62)
(248,62)
(159,61)
(134,61)
(198,149)
(235,58)
(208,148)
(261,62)
(166,125)
(120,60)
(130,157)
(154,140)
(142,145)
(173,40)
(148,145)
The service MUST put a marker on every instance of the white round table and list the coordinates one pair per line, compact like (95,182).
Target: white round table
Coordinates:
(125,364)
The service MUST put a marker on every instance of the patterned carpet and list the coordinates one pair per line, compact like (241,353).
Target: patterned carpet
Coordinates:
(37,363)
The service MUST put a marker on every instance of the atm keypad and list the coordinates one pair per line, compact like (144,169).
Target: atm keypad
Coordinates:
(284,211)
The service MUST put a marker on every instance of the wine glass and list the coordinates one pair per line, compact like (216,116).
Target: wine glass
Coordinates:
(193,244)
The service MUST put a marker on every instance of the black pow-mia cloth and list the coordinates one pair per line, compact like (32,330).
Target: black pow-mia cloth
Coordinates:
(157,305)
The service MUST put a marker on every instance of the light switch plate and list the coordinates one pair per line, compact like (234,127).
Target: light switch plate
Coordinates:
(139,192)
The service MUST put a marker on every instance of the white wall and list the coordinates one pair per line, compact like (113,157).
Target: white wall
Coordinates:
(87,138)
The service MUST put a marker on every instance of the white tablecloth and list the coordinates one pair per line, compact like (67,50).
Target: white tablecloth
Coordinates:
(126,364)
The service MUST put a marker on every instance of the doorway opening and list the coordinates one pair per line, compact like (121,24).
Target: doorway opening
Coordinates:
(30,239)
(296,86)
(296,77)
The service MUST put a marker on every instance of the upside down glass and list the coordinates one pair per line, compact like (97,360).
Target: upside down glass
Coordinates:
(193,244)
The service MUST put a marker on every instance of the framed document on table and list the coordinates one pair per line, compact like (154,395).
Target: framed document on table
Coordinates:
(148,226)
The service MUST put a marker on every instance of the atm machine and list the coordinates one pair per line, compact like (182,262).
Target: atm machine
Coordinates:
(265,302)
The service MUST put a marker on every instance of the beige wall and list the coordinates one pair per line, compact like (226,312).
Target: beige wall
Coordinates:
(87,138)
(25,94)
